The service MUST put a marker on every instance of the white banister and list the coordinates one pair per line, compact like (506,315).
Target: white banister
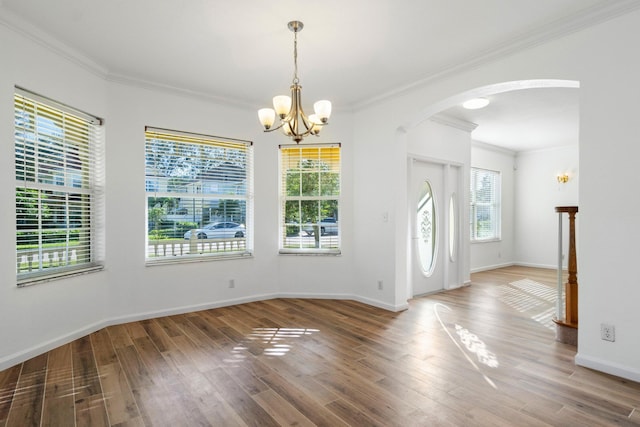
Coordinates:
(559,300)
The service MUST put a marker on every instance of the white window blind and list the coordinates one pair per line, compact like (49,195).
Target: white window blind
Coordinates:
(58,159)
(199,196)
(310,198)
(485,205)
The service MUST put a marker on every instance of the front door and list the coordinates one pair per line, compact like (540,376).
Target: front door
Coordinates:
(428,226)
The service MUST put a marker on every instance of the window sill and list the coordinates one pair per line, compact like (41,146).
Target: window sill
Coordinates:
(196,258)
(36,280)
(486,241)
(328,252)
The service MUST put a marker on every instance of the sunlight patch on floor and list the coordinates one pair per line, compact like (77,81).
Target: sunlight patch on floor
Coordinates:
(531,297)
(269,341)
(477,346)
(471,342)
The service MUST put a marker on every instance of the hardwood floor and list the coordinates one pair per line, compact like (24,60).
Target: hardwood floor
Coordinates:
(482,355)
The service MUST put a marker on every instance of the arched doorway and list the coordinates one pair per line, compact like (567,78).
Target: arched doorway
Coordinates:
(405,244)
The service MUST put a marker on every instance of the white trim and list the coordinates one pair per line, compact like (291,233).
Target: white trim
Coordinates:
(544,150)
(310,252)
(427,159)
(491,147)
(491,267)
(453,122)
(534,265)
(65,273)
(514,264)
(607,367)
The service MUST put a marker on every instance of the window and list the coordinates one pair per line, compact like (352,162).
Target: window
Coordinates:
(485,205)
(58,189)
(310,199)
(198,196)
(427,222)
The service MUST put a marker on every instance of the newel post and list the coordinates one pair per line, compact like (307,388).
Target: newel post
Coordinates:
(567,327)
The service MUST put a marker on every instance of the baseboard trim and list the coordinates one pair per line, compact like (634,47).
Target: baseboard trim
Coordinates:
(516,264)
(492,267)
(607,367)
(364,300)
(531,264)
(21,356)
(187,309)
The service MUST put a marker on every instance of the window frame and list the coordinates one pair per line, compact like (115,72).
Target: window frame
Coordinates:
(334,243)
(202,190)
(59,162)
(494,206)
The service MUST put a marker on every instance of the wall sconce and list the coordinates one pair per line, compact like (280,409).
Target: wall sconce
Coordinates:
(563,178)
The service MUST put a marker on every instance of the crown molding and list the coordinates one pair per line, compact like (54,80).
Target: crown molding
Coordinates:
(454,122)
(175,90)
(491,147)
(24,28)
(546,149)
(553,30)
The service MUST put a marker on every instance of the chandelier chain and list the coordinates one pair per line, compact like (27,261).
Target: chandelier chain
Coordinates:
(295,58)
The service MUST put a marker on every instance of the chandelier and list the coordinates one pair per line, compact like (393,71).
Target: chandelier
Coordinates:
(293,121)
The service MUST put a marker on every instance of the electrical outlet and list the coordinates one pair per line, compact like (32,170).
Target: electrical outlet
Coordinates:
(607,332)
(232,283)
(379,285)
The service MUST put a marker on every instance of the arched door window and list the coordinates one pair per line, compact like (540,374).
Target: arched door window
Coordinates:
(426,222)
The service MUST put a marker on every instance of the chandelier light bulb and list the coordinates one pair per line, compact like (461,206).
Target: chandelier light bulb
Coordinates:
(282,105)
(316,124)
(323,110)
(286,129)
(267,117)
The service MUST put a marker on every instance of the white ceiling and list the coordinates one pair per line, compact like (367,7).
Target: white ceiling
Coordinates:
(351,52)
(525,120)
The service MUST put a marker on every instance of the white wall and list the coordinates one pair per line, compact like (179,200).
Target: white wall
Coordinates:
(537,194)
(599,58)
(495,254)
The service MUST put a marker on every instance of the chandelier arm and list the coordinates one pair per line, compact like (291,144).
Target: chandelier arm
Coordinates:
(271,129)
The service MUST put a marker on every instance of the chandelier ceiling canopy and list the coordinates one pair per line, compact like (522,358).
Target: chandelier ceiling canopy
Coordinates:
(293,120)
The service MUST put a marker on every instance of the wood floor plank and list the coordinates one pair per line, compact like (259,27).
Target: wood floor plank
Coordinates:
(59,402)
(90,408)
(121,405)
(26,408)
(119,336)
(352,415)
(158,335)
(305,404)
(281,410)
(247,409)
(8,381)
(137,373)
(103,350)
